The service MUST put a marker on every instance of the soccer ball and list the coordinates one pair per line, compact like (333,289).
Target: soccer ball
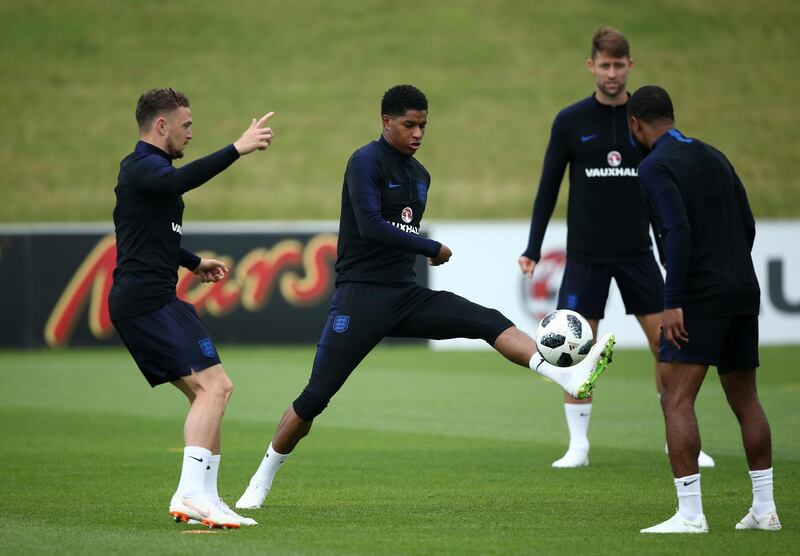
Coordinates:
(564,338)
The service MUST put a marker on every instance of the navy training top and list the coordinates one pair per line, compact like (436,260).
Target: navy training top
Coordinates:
(383,198)
(707,227)
(608,218)
(148,220)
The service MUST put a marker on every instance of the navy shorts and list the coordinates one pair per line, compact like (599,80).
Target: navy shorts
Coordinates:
(361,315)
(168,343)
(584,287)
(729,343)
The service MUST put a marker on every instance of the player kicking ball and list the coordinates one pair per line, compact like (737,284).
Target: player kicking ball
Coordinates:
(164,334)
(384,196)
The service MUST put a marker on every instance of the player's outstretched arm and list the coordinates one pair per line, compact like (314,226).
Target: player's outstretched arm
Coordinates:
(256,137)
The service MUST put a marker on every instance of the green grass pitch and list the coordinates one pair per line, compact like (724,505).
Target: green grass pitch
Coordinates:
(421,453)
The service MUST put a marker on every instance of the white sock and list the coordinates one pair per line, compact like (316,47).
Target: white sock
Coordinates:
(559,375)
(193,473)
(578,424)
(269,466)
(763,502)
(690,501)
(211,476)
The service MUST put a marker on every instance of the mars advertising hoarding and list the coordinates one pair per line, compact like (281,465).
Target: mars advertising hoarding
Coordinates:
(56,281)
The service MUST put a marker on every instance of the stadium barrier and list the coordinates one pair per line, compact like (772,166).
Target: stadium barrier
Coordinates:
(56,279)
(484,269)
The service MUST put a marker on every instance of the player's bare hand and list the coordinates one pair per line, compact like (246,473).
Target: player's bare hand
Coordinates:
(211,270)
(255,137)
(442,257)
(527,265)
(672,327)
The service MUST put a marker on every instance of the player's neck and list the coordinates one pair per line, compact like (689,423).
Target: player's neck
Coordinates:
(607,100)
(156,141)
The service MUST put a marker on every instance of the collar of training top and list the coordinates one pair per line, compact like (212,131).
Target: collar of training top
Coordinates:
(386,144)
(145,147)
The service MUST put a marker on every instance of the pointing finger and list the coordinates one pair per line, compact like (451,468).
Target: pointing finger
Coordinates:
(265,118)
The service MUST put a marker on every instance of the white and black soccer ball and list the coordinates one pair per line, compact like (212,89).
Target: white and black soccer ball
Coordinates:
(564,338)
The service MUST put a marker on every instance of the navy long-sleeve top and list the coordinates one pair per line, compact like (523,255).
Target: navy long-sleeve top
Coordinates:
(607,214)
(383,200)
(707,228)
(148,220)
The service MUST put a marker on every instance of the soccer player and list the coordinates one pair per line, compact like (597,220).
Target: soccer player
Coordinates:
(384,195)
(711,303)
(164,334)
(607,218)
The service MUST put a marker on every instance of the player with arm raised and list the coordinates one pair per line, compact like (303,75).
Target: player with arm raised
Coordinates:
(607,217)
(711,303)
(384,195)
(164,334)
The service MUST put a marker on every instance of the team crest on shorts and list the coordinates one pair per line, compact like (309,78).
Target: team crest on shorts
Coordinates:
(614,159)
(207,347)
(423,191)
(407,215)
(341,323)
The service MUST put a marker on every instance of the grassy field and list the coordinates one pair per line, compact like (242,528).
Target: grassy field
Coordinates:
(496,72)
(421,453)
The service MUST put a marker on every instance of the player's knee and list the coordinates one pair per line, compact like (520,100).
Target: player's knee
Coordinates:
(310,404)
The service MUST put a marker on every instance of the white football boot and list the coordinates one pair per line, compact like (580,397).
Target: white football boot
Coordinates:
(201,509)
(253,497)
(586,373)
(766,522)
(703,459)
(224,508)
(678,524)
(575,457)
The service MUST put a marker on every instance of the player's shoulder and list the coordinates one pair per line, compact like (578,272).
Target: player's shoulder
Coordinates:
(576,111)
(370,151)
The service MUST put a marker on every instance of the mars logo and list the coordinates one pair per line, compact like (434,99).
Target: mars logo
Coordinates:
(614,159)
(301,273)
(540,294)
(407,215)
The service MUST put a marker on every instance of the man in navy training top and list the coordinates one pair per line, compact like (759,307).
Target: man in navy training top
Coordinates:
(164,334)
(711,303)
(384,195)
(592,137)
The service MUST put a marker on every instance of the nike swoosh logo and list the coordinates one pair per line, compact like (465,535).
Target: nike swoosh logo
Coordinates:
(584,414)
(687,483)
(393,185)
(204,512)
(585,138)
(196,459)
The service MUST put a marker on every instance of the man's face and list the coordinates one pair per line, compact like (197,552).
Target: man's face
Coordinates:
(178,129)
(610,73)
(405,132)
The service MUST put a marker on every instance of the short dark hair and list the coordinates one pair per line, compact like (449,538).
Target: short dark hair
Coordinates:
(610,41)
(400,98)
(651,103)
(158,101)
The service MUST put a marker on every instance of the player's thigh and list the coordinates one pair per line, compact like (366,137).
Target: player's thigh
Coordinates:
(360,316)
(584,288)
(681,382)
(212,380)
(168,343)
(440,315)
(641,286)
